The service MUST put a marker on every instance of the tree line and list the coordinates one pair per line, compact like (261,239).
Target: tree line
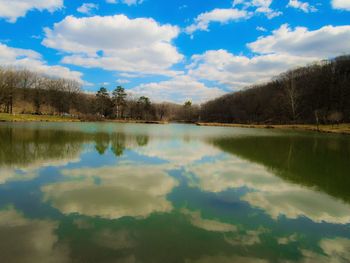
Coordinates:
(317,93)
(123,106)
(24,91)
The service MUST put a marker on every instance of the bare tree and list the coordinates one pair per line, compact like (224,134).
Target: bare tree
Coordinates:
(292,94)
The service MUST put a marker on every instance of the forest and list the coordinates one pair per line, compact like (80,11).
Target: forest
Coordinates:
(317,93)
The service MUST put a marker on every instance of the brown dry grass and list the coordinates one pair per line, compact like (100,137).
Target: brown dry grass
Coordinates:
(31,118)
(339,129)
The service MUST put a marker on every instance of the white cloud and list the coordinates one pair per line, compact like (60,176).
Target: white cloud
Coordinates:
(217,15)
(285,48)
(341,4)
(87,8)
(264,7)
(127,2)
(178,89)
(12,10)
(238,2)
(262,29)
(116,43)
(328,41)
(241,71)
(130,75)
(304,6)
(29,59)
(249,8)
(259,6)
(123,81)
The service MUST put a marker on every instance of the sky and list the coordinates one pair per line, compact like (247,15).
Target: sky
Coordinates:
(175,50)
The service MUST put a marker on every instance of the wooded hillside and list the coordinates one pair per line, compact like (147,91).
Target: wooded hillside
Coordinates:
(316,93)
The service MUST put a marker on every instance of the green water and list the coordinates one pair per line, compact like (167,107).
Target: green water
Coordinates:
(172,193)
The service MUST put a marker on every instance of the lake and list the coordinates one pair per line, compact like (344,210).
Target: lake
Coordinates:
(104,192)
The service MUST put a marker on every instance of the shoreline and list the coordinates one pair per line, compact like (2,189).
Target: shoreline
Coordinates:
(343,129)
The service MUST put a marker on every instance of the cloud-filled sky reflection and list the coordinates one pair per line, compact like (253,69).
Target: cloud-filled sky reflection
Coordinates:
(161,194)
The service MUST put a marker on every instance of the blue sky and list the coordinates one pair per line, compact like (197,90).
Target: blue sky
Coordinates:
(171,50)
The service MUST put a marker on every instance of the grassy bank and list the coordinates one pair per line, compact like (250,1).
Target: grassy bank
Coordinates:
(339,129)
(4,117)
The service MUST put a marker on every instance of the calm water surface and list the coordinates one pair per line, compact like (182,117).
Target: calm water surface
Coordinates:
(172,193)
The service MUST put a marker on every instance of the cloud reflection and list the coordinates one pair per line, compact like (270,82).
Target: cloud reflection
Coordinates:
(269,192)
(335,250)
(31,171)
(124,190)
(29,240)
(208,224)
(178,152)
